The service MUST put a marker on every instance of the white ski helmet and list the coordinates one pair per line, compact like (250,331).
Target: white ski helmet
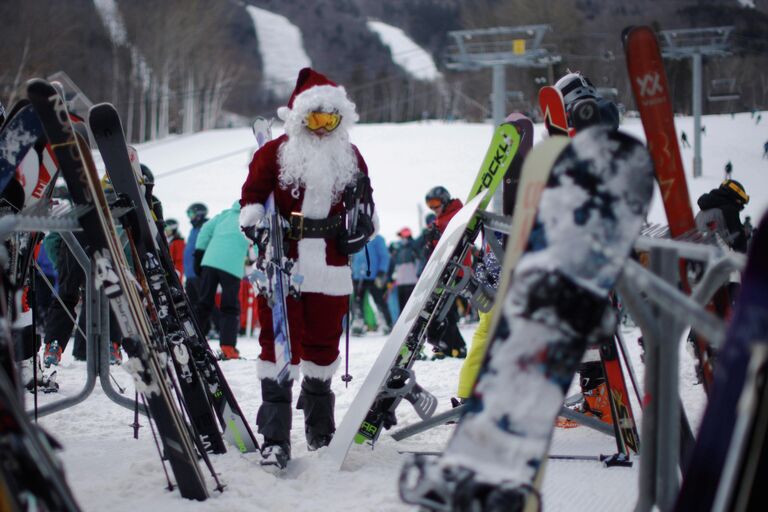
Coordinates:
(575,86)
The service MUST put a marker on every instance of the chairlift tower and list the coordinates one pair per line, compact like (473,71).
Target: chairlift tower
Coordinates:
(497,48)
(695,43)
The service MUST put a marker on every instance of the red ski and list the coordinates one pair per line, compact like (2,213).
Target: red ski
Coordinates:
(553,109)
(649,86)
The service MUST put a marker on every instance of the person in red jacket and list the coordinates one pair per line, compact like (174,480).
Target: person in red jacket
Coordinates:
(444,336)
(307,171)
(176,245)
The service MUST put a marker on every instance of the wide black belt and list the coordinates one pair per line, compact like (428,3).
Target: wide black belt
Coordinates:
(301,227)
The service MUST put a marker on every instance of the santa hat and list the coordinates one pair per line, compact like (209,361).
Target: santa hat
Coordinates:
(314,91)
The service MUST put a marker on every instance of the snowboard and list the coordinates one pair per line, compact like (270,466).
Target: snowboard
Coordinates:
(553,109)
(589,215)
(722,450)
(147,361)
(649,87)
(391,377)
(175,323)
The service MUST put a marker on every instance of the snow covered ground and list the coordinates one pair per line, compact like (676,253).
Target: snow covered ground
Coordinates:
(405,52)
(109,470)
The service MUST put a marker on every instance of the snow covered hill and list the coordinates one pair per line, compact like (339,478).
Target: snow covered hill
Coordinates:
(406,53)
(109,470)
(406,160)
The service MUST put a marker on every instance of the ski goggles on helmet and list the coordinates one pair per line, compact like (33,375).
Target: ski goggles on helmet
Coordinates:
(317,120)
(733,186)
(434,203)
(579,87)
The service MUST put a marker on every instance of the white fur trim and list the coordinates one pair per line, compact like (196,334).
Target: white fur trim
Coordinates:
(283,113)
(315,371)
(319,277)
(268,370)
(322,97)
(251,214)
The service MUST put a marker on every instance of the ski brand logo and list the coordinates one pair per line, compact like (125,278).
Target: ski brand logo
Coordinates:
(649,84)
(651,90)
(502,152)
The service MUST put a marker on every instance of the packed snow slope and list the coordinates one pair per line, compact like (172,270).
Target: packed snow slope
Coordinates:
(405,52)
(406,160)
(109,470)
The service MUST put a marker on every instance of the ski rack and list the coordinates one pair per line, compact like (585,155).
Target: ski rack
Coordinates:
(45,216)
(663,313)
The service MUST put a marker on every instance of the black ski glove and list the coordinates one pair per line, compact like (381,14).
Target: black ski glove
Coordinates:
(198,265)
(349,244)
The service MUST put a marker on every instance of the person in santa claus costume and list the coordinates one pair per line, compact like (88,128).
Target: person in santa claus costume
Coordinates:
(310,171)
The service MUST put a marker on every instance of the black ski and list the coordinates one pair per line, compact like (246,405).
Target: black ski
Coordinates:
(191,385)
(185,337)
(140,342)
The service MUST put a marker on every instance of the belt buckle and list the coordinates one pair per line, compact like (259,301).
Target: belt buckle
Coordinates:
(297,226)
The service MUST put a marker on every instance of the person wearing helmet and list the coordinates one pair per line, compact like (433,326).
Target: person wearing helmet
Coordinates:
(197,213)
(445,336)
(719,213)
(577,88)
(175,245)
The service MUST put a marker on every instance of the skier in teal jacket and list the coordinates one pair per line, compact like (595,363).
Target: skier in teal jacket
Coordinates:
(220,252)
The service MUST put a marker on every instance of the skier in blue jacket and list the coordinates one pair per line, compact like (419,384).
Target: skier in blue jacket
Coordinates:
(372,279)
(220,251)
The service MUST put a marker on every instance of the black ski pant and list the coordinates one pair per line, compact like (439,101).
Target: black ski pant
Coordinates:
(192,287)
(404,292)
(229,324)
(446,334)
(377,294)
(58,320)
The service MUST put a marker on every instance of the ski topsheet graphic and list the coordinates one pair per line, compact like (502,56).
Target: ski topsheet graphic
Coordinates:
(589,215)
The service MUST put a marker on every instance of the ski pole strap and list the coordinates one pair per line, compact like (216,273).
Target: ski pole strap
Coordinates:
(300,227)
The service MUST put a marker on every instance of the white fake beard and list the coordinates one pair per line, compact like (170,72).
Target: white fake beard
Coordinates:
(323,166)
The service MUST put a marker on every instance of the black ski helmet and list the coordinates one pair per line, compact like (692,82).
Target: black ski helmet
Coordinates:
(439,193)
(171,226)
(575,86)
(197,211)
(735,190)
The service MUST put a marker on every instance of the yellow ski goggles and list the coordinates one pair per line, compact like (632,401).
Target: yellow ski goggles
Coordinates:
(328,120)
(739,191)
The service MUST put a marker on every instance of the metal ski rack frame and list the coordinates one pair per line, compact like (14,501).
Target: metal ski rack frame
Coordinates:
(663,313)
(40,218)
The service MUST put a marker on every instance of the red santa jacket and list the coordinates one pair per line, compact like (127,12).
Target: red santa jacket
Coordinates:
(323,267)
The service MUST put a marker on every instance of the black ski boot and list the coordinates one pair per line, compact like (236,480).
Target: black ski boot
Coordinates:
(274,422)
(317,401)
